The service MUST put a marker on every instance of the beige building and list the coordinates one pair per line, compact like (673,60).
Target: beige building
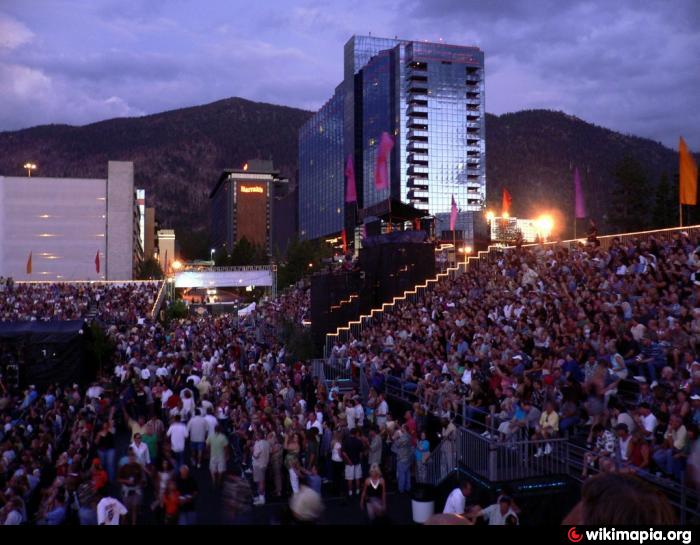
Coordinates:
(166,249)
(73,228)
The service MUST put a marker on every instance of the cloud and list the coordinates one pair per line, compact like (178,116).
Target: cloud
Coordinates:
(629,66)
(13,33)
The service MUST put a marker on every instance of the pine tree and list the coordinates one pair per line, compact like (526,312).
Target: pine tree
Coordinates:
(630,197)
(665,208)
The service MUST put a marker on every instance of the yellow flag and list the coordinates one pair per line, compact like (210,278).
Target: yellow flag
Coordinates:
(688,174)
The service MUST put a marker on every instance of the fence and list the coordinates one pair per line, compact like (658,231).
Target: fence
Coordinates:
(158,302)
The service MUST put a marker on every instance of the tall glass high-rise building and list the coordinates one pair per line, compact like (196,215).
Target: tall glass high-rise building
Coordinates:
(430,97)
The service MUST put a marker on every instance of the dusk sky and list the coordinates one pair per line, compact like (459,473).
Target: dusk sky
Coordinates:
(630,66)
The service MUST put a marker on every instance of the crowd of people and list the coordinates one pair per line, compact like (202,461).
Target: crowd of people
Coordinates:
(596,344)
(203,400)
(113,303)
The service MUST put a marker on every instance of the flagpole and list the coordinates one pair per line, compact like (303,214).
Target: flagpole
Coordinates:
(680,214)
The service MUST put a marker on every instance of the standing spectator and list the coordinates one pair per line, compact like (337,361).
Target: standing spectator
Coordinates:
(177,432)
(261,459)
(188,489)
(218,449)
(109,511)
(402,447)
(352,456)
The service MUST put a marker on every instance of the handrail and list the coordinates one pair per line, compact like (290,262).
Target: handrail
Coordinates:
(158,302)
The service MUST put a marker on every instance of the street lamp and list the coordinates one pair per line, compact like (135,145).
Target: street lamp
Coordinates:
(177,265)
(29,167)
(466,250)
(211,254)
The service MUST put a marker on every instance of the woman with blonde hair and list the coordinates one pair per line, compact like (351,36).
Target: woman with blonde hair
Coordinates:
(373,496)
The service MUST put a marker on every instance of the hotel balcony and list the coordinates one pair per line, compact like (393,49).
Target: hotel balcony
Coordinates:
(417,110)
(418,158)
(417,145)
(417,86)
(420,184)
(418,98)
(418,134)
(417,170)
(420,123)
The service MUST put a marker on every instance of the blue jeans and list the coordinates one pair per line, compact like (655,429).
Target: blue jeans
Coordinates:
(403,476)
(665,460)
(187,518)
(107,460)
(179,459)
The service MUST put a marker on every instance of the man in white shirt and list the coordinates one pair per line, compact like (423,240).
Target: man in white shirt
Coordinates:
(212,422)
(646,420)
(178,433)
(500,513)
(197,429)
(313,422)
(109,511)
(457,499)
(350,414)
(261,459)
(381,411)
(359,414)
(140,448)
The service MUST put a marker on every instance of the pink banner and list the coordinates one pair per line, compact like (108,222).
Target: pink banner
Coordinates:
(350,189)
(381,171)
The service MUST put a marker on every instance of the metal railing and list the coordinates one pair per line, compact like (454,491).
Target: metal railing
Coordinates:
(158,302)
(441,462)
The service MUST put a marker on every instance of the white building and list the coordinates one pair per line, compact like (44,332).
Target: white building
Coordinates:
(64,223)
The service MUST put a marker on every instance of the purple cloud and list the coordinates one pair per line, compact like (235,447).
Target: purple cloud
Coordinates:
(628,66)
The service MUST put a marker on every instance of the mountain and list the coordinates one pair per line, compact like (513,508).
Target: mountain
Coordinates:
(533,154)
(178,156)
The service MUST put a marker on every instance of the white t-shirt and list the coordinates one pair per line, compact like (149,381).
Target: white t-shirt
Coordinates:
(649,422)
(494,516)
(197,428)
(177,433)
(381,412)
(109,510)
(212,422)
(143,456)
(350,415)
(455,502)
(359,414)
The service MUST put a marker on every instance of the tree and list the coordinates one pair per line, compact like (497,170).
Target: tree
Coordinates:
(177,310)
(221,258)
(630,197)
(149,269)
(299,255)
(245,253)
(666,204)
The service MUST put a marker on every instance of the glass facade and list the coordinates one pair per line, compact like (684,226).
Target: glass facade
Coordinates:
(321,172)
(430,96)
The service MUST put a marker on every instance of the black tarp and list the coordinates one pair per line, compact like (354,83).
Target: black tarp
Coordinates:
(46,352)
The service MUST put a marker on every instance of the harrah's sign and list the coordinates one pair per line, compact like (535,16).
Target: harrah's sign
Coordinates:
(252,189)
